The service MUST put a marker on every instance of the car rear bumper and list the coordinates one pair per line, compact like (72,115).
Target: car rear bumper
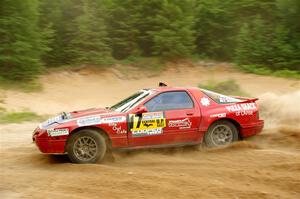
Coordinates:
(252,129)
(46,144)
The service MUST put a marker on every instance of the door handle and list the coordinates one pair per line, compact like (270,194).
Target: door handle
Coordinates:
(189,114)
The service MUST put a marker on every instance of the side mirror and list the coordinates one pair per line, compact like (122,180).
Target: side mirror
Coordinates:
(141,110)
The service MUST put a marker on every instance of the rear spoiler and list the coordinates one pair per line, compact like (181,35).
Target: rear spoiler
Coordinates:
(245,99)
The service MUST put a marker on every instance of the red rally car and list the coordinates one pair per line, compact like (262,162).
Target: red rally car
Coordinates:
(151,118)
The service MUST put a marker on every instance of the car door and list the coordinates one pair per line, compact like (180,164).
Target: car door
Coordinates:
(172,118)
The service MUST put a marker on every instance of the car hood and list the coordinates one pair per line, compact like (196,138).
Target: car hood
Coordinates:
(91,111)
(70,116)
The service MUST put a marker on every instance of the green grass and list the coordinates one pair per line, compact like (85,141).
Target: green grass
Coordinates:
(18,117)
(147,63)
(77,67)
(286,73)
(25,86)
(228,87)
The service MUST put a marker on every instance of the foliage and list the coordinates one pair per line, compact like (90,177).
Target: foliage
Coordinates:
(122,28)
(89,43)
(25,86)
(214,26)
(253,43)
(18,117)
(228,87)
(151,28)
(174,37)
(38,33)
(258,43)
(261,70)
(22,41)
(150,63)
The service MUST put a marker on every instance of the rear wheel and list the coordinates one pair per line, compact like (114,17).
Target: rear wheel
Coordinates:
(221,133)
(86,146)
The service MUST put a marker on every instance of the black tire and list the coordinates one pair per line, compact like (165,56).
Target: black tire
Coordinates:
(221,133)
(86,146)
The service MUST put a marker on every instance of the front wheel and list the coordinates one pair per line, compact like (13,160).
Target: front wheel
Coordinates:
(86,146)
(221,133)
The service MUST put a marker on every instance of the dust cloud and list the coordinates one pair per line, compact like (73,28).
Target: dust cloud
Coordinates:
(280,110)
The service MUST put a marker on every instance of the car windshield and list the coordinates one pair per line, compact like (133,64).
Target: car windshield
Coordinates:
(131,101)
(219,98)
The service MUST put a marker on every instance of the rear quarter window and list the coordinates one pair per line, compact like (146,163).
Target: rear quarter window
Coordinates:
(219,98)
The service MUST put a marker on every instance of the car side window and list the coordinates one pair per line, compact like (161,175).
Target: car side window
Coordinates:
(170,101)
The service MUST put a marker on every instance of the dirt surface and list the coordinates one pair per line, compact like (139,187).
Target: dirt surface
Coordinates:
(264,166)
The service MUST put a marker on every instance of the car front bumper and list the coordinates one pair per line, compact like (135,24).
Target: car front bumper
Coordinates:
(47,144)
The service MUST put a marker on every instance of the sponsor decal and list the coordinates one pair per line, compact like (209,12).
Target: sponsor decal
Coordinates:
(51,121)
(205,101)
(147,124)
(226,99)
(218,115)
(241,107)
(117,129)
(148,121)
(113,119)
(151,116)
(90,120)
(57,132)
(181,124)
(243,113)
(147,132)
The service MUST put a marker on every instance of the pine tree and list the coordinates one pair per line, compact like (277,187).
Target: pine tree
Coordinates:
(253,43)
(284,54)
(22,43)
(287,38)
(89,42)
(123,31)
(147,24)
(218,23)
(215,26)
(52,17)
(174,35)
(244,45)
(151,27)
(265,33)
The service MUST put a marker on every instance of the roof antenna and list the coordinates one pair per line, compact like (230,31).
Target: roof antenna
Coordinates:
(161,84)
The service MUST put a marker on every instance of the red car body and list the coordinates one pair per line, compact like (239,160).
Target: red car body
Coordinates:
(182,126)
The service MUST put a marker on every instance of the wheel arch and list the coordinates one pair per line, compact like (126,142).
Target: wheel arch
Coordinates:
(98,129)
(234,122)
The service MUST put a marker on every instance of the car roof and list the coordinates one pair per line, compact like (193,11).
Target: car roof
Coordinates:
(171,88)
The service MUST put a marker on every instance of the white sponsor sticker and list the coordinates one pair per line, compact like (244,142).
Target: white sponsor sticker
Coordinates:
(147,132)
(90,120)
(226,99)
(219,115)
(205,101)
(243,113)
(181,124)
(57,132)
(51,121)
(113,119)
(153,115)
(241,107)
